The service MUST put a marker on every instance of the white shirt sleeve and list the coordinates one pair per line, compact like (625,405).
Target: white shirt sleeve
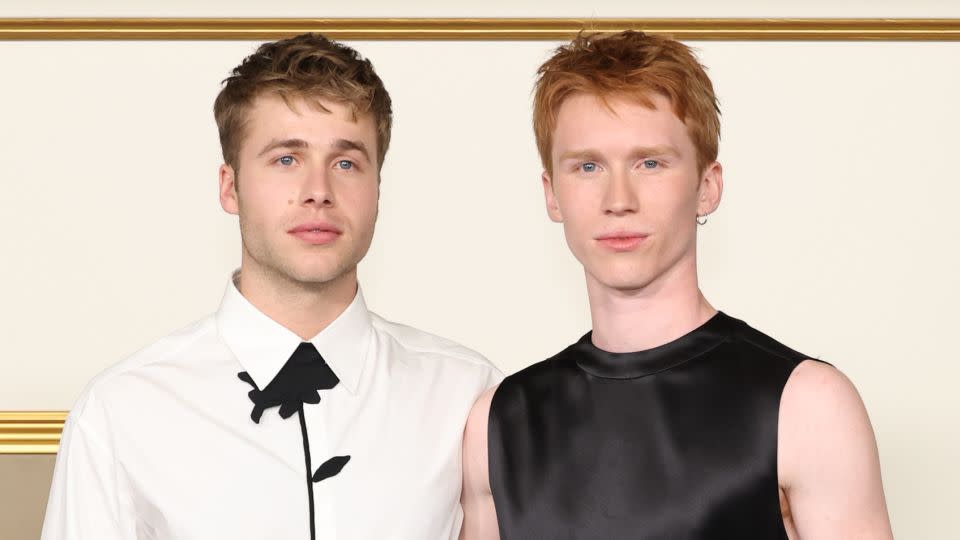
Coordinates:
(494,378)
(85,499)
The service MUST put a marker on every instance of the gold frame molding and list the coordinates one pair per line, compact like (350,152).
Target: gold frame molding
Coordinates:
(477,29)
(30,432)
(38,432)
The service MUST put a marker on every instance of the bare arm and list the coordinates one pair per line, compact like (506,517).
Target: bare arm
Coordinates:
(479,514)
(828,463)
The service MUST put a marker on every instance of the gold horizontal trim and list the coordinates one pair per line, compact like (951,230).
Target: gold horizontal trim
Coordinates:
(31,432)
(477,29)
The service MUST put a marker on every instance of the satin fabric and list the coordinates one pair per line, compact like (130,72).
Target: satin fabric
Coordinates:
(675,442)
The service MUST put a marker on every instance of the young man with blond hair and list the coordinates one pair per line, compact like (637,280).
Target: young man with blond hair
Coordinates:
(293,411)
(669,419)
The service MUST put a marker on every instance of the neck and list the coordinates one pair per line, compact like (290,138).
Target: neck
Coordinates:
(657,313)
(303,308)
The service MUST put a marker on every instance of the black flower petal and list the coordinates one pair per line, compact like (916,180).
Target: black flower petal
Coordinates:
(298,382)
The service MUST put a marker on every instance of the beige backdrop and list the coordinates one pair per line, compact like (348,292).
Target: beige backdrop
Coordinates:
(836,234)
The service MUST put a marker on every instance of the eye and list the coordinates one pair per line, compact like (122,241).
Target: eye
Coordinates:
(285,160)
(588,167)
(345,164)
(650,164)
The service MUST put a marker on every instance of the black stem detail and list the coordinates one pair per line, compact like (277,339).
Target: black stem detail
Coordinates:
(298,382)
(306,457)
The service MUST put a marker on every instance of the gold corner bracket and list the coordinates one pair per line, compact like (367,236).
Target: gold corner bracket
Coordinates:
(490,29)
(30,432)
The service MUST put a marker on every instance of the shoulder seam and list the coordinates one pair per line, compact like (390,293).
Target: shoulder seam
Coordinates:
(454,354)
(482,361)
(83,426)
(779,354)
(119,369)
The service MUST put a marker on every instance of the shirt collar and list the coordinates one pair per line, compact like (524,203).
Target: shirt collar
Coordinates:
(262,345)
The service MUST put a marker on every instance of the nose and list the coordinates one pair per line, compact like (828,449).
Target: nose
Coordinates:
(620,197)
(316,189)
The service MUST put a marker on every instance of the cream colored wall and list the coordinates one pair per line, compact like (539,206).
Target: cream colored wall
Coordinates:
(836,233)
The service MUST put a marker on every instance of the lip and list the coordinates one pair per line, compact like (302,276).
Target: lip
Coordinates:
(621,241)
(316,233)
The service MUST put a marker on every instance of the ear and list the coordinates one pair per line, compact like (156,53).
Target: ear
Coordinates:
(553,207)
(376,210)
(228,190)
(711,189)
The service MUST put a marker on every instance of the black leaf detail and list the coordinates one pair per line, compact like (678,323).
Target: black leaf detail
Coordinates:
(331,467)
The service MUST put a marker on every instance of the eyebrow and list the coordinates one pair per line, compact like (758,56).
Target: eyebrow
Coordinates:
(340,145)
(591,154)
(344,145)
(283,143)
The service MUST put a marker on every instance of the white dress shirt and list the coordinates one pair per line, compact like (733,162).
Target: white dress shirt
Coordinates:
(162,446)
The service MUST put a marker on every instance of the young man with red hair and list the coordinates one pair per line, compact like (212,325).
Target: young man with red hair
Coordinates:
(669,419)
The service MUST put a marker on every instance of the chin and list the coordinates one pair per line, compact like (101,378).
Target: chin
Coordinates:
(316,273)
(624,277)
(626,285)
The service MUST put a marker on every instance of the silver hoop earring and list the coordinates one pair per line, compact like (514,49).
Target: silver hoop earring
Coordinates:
(704,222)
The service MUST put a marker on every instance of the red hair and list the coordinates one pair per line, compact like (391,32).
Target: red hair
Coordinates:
(634,65)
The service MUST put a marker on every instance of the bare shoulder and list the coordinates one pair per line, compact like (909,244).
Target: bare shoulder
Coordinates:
(479,511)
(815,387)
(475,433)
(827,459)
(484,400)
(476,473)
(820,409)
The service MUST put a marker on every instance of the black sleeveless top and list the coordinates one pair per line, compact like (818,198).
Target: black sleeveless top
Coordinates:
(674,442)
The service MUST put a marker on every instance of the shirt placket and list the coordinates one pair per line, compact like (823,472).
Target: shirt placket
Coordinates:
(321,450)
